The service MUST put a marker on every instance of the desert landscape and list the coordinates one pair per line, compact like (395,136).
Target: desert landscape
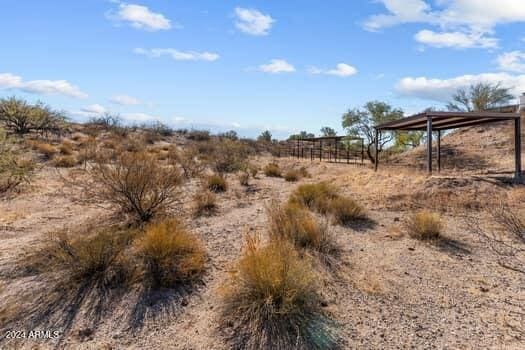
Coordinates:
(81,259)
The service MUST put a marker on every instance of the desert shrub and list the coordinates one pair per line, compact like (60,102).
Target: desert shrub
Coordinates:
(292,175)
(136,183)
(244,178)
(298,225)
(198,135)
(21,118)
(91,256)
(171,254)
(314,196)
(188,160)
(272,301)
(47,150)
(272,170)
(254,170)
(78,136)
(66,148)
(228,156)
(304,172)
(65,161)
(14,169)
(217,183)
(109,122)
(205,204)
(424,225)
(346,211)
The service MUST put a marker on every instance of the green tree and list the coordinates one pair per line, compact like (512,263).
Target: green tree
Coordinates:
(480,97)
(361,122)
(328,131)
(301,135)
(265,136)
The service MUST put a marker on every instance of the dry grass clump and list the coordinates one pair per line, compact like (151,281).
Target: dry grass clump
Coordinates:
(296,224)
(65,161)
(137,183)
(205,204)
(272,170)
(92,257)
(66,148)
(272,301)
(14,169)
(216,183)
(244,178)
(171,254)
(45,149)
(315,196)
(424,225)
(345,211)
(292,175)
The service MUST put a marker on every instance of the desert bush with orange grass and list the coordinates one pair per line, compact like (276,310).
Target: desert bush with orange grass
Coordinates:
(424,225)
(346,211)
(272,170)
(272,301)
(14,168)
(315,196)
(65,161)
(204,203)
(217,183)
(137,183)
(45,149)
(171,254)
(298,225)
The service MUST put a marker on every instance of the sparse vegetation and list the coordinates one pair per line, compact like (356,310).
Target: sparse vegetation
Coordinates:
(292,175)
(424,225)
(65,161)
(244,178)
(205,203)
(272,170)
(171,254)
(217,183)
(47,150)
(136,183)
(346,211)
(14,169)
(315,196)
(272,301)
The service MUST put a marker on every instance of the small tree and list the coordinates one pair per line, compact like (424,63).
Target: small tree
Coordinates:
(328,131)
(480,97)
(301,135)
(231,134)
(265,136)
(361,122)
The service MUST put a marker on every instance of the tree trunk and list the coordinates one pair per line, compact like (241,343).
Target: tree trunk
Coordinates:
(369,153)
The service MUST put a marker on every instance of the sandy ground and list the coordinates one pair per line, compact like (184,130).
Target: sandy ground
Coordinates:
(392,293)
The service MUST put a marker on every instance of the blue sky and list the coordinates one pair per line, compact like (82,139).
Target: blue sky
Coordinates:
(253,65)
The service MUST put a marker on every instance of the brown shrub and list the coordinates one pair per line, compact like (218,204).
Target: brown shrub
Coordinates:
(47,150)
(346,211)
(272,170)
(315,196)
(424,225)
(217,183)
(135,182)
(272,301)
(188,160)
(171,254)
(298,225)
(228,156)
(244,178)
(292,175)
(205,204)
(65,161)
(66,148)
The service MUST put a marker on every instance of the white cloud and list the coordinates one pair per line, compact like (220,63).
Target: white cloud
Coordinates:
(44,87)
(178,55)
(341,70)
(441,90)
(178,119)
(463,23)
(94,109)
(277,66)
(458,40)
(513,61)
(141,17)
(124,100)
(139,117)
(252,21)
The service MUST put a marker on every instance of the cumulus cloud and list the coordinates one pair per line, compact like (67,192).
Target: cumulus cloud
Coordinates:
(178,55)
(441,90)
(277,66)
(513,61)
(253,22)
(464,23)
(141,17)
(124,100)
(44,87)
(458,40)
(341,70)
